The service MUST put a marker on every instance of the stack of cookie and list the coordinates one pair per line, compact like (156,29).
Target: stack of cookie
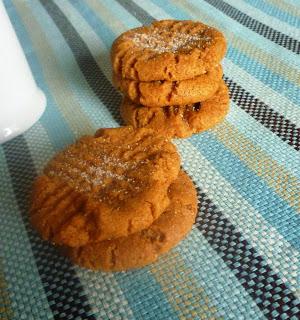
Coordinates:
(116,200)
(171,77)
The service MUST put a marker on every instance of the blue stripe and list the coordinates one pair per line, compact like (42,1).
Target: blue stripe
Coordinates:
(275,12)
(56,126)
(275,210)
(139,286)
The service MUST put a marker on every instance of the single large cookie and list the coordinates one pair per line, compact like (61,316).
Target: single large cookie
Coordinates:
(146,246)
(167,50)
(179,121)
(104,187)
(162,93)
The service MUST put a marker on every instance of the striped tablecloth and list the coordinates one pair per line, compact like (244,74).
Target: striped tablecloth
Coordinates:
(241,260)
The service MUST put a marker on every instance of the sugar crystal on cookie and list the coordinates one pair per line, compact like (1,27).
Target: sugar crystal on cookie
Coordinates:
(170,41)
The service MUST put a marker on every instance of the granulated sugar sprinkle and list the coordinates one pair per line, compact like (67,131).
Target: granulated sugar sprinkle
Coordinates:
(169,42)
(83,175)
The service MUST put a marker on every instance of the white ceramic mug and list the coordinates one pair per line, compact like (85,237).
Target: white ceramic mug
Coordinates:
(21,101)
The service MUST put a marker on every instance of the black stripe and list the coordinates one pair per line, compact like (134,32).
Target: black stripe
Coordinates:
(261,112)
(62,287)
(256,26)
(283,128)
(266,288)
(86,62)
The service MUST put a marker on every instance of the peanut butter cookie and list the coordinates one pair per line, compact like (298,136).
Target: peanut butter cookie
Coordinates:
(146,246)
(179,121)
(104,186)
(162,93)
(167,50)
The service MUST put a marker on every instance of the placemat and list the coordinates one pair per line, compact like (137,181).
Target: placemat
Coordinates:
(241,260)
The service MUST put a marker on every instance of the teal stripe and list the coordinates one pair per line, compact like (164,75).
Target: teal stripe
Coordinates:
(18,261)
(140,286)
(233,27)
(215,277)
(90,105)
(56,126)
(264,138)
(251,187)
(275,12)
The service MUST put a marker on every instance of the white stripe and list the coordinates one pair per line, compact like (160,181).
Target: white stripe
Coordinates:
(265,18)
(281,256)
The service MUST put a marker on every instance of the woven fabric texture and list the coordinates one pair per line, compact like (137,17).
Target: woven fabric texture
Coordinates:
(241,260)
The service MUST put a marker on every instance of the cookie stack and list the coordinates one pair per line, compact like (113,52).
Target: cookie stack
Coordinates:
(114,201)
(171,77)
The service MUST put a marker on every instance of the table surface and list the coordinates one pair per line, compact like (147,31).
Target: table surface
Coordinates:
(241,260)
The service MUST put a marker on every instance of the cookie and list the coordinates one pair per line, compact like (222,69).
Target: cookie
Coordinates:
(162,93)
(104,187)
(146,246)
(179,121)
(167,50)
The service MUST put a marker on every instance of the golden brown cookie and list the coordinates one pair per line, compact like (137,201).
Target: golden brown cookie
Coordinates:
(162,93)
(167,50)
(104,187)
(179,121)
(146,246)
